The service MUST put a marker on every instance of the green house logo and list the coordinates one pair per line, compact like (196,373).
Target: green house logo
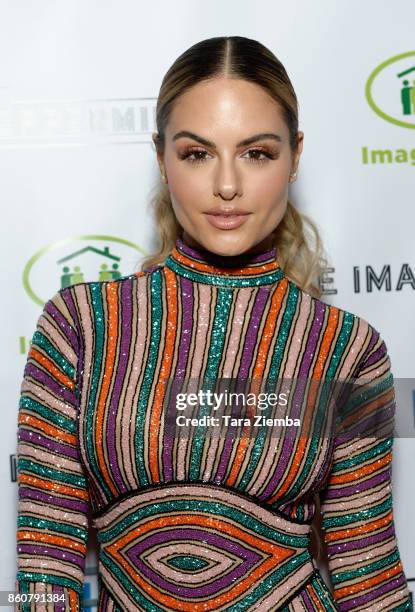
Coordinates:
(390,90)
(79,259)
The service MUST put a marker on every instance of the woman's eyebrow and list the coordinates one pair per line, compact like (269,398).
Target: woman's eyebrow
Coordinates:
(246,141)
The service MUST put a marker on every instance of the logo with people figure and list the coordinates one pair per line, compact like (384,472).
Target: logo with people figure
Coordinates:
(390,90)
(78,260)
(71,276)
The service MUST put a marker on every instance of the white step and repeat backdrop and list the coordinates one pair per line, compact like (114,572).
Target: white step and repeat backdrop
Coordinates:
(78,87)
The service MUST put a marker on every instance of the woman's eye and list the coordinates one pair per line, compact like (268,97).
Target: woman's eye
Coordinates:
(193,156)
(257,155)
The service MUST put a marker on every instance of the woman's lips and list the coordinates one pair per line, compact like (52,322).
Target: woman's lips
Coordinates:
(226,222)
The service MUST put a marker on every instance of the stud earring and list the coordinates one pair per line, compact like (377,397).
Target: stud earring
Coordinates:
(293,176)
(164,178)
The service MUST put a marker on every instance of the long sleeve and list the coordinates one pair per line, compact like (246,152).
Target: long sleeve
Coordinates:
(53,498)
(356,503)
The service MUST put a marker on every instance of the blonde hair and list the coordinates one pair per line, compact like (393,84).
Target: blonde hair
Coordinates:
(238,57)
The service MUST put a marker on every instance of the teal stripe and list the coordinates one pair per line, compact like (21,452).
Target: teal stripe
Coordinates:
(269,582)
(56,356)
(45,524)
(204,507)
(363,515)
(30,466)
(60,420)
(281,341)
(342,341)
(220,323)
(313,449)
(362,458)
(364,393)
(223,280)
(321,410)
(302,476)
(324,594)
(50,578)
(149,370)
(97,315)
(367,568)
(130,587)
(289,312)
(406,607)
(23,588)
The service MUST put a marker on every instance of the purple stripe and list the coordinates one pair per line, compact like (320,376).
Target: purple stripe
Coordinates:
(185,294)
(374,593)
(63,323)
(250,340)
(62,554)
(50,383)
(332,493)
(374,423)
(70,303)
(125,314)
(199,535)
(377,355)
(72,504)
(59,604)
(40,440)
(306,599)
(298,400)
(372,342)
(361,543)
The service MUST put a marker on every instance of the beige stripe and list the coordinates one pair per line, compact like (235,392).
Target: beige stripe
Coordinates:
(40,509)
(371,552)
(298,336)
(400,597)
(60,342)
(237,327)
(88,335)
(222,562)
(46,457)
(284,589)
(208,492)
(49,566)
(129,410)
(43,396)
(355,351)
(355,501)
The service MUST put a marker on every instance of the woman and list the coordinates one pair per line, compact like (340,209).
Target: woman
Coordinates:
(188,518)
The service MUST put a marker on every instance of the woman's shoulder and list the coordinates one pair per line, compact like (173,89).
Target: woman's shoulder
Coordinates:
(353,335)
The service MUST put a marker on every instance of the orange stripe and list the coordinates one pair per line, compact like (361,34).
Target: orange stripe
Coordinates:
(276,555)
(311,399)
(54,432)
(74,598)
(315,598)
(48,538)
(385,576)
(165,369)
(49,365)
(269,330)
(211,269)
(378,402)
(109,360)
(363,471)
(361,530)
(47,485)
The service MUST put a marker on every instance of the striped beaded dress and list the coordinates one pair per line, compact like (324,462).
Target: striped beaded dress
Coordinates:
(199,521)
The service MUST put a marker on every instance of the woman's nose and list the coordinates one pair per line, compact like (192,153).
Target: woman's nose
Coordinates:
(227,180)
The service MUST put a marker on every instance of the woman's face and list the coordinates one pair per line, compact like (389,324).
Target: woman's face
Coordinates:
(208,165)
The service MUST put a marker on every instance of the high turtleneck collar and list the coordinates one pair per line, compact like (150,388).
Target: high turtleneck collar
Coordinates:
(244,270)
